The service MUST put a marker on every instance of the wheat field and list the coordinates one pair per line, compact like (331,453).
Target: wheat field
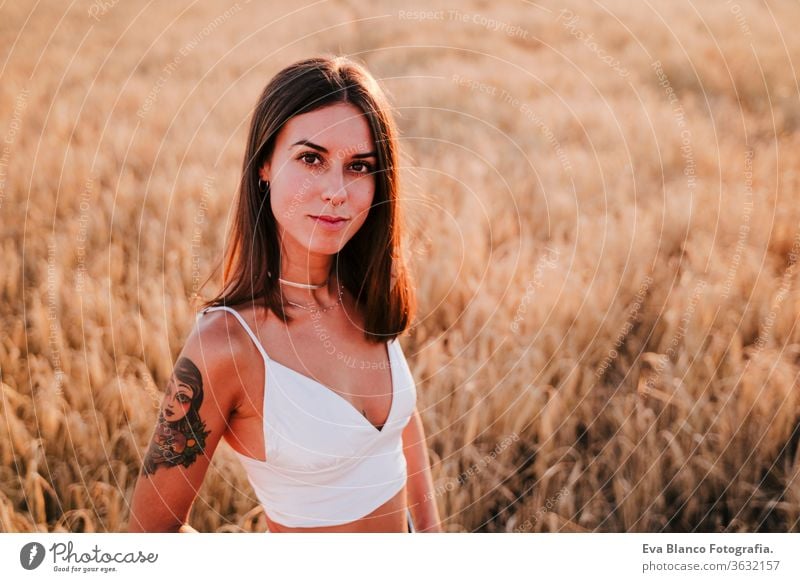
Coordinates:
(602,220)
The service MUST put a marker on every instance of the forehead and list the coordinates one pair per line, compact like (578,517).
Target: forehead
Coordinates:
(180,385)
(341,126)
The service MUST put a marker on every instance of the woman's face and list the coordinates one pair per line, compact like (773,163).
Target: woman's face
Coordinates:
(178,400)
(323,163)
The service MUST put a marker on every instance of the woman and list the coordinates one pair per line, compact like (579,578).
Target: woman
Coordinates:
(298,357)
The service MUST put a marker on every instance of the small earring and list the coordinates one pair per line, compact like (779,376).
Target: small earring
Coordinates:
(262,185)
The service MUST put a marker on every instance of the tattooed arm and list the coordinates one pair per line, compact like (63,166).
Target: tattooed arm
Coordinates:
(199,400)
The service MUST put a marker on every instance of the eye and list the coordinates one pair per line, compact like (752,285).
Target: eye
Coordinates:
(367,167)
(306,155)
(183,398)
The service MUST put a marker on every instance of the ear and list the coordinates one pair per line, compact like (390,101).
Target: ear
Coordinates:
(263,172)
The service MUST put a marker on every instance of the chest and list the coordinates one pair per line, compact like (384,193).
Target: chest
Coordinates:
(330,385)
(309,426)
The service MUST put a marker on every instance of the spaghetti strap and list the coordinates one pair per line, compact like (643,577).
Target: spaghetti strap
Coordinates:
(410,521)
(244,325)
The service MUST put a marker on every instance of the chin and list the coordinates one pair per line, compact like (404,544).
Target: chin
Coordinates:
(324,249)
(325,244)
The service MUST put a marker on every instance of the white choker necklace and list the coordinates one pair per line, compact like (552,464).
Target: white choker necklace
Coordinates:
(301,285)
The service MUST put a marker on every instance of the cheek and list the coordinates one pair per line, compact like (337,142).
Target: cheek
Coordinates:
(290,192)
(361,200)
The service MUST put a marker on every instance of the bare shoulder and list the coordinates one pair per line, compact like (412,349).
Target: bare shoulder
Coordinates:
(223,348)
(219,328)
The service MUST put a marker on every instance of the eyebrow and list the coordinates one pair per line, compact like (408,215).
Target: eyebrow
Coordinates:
(312,145)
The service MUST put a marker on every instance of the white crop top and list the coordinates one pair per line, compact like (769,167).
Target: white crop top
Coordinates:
(326,464)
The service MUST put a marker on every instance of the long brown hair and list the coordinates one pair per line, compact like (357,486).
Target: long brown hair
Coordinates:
(370,266)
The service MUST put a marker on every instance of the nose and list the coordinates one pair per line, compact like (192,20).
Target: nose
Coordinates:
(335,191)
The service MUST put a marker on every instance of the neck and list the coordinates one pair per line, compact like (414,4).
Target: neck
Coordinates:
(314,271)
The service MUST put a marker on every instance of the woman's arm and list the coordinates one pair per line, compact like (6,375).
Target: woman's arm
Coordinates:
(421,498)
(199,400)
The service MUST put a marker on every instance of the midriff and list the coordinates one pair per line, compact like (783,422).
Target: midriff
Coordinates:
(388,518)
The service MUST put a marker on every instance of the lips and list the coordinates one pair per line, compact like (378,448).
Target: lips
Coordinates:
(329,223)
(330,219)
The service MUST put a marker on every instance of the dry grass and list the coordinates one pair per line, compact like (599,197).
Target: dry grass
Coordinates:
(600,346)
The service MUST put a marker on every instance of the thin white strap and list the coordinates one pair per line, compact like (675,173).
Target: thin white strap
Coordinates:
(244,325)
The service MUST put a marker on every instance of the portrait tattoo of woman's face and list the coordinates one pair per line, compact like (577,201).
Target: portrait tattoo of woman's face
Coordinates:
(180,434)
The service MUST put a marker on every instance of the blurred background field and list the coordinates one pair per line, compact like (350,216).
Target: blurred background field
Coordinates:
(603,221)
